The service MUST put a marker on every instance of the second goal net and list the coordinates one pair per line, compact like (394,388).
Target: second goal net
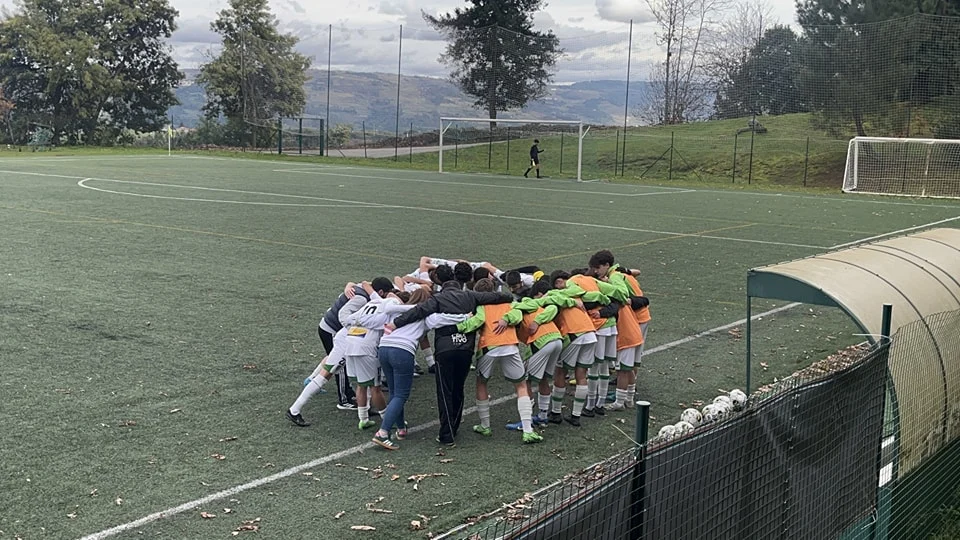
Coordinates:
(506,145)
(905,167)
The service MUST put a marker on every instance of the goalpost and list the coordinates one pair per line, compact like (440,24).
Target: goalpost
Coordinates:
(903,167)
(446,122)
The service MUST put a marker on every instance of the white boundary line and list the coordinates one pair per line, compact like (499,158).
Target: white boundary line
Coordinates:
(347,204)
(894,233)
(359,448)
(448,211)
(505,186)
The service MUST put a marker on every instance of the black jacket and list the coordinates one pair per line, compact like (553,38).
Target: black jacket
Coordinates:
(452,300)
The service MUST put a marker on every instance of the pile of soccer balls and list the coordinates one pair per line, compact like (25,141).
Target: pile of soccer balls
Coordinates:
(723,405)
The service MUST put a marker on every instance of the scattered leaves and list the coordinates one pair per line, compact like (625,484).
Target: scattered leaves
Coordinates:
(128,423)
(207,515)
(417,478)
(249,366)
(690,380)
(219,457)
(308,473)
(93,492)
(227,510)
(394,476)
(173,411)
(444,503)
(365,469)
(736,333)
(390,466)
(71,515)
(339,514)
(415,525)
(119,501)
(448,460)
(362,528)
(228,439)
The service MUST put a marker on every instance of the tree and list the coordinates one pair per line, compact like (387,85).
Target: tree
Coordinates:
(6,107)
(90,69)
(680,87)
(766,81)
(496,55)
(258,74)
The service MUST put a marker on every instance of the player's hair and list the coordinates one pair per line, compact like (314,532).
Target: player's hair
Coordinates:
(484,285)
(419,296)
(444,274)
(578,272)
(536,141)
(600,258)
(558,274)
(542,286)
(481,273)
(403,296)
(512,278)
(463,272)
(382,285)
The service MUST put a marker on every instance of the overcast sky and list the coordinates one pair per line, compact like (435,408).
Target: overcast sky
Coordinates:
(366,33)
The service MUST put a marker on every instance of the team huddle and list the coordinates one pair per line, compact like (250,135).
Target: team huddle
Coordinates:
(588,324)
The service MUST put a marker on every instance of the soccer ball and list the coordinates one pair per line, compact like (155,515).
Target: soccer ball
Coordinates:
(712,413)
(723,400)
(692,417)
(738,398)
(667,432)
(683,428)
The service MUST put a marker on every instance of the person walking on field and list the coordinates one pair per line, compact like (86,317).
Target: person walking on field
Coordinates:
(535,152)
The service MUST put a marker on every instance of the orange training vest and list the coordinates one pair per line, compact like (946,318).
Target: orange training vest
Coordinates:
(544,329)
(642,314)
(488,339)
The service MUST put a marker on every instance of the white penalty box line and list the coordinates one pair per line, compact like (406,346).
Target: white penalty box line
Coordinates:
(185,507)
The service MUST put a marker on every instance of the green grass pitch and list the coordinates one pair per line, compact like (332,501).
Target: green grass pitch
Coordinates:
(155,312)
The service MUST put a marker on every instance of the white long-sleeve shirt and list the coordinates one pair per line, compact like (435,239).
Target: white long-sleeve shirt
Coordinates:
(407,337)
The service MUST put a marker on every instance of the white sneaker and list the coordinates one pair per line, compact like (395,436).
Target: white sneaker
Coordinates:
(615,406)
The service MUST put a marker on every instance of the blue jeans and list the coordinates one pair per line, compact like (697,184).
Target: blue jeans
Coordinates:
(397,366)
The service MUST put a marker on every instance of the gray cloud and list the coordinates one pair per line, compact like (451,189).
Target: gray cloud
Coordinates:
(624,10)
(194,31)
(296,6)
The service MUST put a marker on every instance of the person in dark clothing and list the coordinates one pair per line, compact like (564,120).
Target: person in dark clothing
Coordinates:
(535,152)
(330,325)
(453,349)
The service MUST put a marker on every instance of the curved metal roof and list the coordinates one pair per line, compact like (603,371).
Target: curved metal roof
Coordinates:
(919,274)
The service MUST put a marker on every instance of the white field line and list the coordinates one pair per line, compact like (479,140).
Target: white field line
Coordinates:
(81,158)
(852,199)
(357,449)
(445,211)
(345,204)
(894,233)
(474,184)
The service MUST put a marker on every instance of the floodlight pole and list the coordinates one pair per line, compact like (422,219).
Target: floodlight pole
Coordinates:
(580,135)
(440,148)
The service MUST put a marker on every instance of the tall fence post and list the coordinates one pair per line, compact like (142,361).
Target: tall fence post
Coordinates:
(300,136)
(639,481)
(508,148)
(396,140)
(626,100)
(279,136)
(616,153)
(411,142)
(806,160)
(753,133)
(670,173)
(363,126)
(561,152)
(456,149)
(733,176)
(885,492)
(326,121)
(490,149)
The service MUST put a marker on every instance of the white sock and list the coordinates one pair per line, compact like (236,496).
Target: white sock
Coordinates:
(543,403)
(308,391)
(603,384)
(631,394)
(556,398)
(579,398)
(428,354)
(317,370)
(363,413)
(621,396)
(525,407)
(593,381)
(483,409)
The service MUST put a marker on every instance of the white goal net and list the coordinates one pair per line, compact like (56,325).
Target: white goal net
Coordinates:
(906,167)
(506,145)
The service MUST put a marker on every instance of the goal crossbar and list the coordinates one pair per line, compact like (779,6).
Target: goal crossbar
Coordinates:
(447,121)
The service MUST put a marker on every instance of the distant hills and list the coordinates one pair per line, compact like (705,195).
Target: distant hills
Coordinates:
(372,98)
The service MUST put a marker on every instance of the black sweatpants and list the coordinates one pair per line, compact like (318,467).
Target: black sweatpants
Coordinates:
(452,370)
(345,392)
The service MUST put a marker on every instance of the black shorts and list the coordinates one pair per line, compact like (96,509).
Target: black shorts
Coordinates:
(535,160)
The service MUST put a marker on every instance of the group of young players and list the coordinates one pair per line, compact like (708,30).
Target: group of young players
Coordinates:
(589,324)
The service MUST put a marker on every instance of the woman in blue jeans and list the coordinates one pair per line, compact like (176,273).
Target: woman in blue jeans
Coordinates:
(396,354)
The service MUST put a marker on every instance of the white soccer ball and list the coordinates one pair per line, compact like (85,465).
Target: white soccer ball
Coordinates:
(683,428)
(725,407)
(712,413)
(724,400)
(738,398)
(667,433)
(692,417)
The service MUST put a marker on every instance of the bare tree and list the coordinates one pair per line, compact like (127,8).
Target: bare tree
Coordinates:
(679,85)
(726,45)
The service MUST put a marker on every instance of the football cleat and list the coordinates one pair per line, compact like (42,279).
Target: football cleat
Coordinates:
(532,438)
(297,419)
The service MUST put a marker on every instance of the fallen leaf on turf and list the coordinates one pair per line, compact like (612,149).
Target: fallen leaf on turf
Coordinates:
(339,514)
(249,366)
(128,423)
(307,474)
(444,503)
(394,477)
(207,515)
(359,468)
(362,528)
(416,525)
(227,510)
(119,501)
(228,439)
(448,460)
(202,483)
(440,452)
(94,492)
(690,379)
(220,457)
(175,411)
(71,515)
(339,465)
(390,466)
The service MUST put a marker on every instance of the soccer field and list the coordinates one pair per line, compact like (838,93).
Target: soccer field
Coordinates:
(158,314)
